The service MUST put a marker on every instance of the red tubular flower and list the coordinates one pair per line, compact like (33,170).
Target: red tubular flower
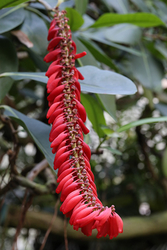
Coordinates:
(67,116)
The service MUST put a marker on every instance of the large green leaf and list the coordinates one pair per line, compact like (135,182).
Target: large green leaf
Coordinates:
(147,70)
(75,19)
(8,62)
(88,59)
(81,6)
(124,33)
(141,122)
(39,131)
(10,3)
(35,28)
(162,108)
(94,112)
(121,6)
(98,53)
(140,19)
(96,81)
(10,18)
(141,5)
(164,163)
(99,36)
(105,82)
(108,102)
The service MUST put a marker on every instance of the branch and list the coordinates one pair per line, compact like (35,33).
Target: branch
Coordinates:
(37,169)
(133,226)
(35,187)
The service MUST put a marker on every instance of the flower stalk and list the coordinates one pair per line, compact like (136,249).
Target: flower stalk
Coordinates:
(67,116)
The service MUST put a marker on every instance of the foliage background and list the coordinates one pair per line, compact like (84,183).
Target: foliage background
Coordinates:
(129,161)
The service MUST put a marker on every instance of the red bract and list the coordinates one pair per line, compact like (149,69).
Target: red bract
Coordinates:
(67,116)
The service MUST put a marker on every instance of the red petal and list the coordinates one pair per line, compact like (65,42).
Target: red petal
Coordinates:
(82,214)
(66,191)
(71,202)
(66,172)
(57,123)
(65,165)
(52,109)
(59,161)
(86,149)
(54,69)
(63,181)
(54,42)
(59,97)
(80,55)
(61,151)
(57,112)
(55,92)
(87,219)
(103,216)
(59,139)
(51,56)
(103,230)
(82,125)
(113,232)
(55,132)
(81,110)
(53,32)
(119,223)
(75,212)
(87,230)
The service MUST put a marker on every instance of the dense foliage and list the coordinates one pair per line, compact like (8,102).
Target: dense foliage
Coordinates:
(125,41)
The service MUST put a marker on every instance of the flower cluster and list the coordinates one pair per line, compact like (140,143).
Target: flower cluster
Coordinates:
(67,116)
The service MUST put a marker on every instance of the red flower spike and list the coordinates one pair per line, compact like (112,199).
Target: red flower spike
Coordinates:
(67,116)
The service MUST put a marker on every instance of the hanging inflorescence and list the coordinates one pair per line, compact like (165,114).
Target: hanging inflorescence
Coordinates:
(67,116)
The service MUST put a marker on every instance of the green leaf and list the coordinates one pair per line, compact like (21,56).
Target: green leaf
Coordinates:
(8,62)
(10,18)
(35,28)
(108,102)
(141,5)
(124,33)
(164,163)
(94,112)
(98,53)
(147,70)
(96,81)
(140,19)
(141,122)
(162,48)
(17,76)
(10,3)
(162,108)
(99,36)
(75,19)
(105,82)
(113,151)
(81,6)
(121,6)
(86,60)
(38,131)
(149,95)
